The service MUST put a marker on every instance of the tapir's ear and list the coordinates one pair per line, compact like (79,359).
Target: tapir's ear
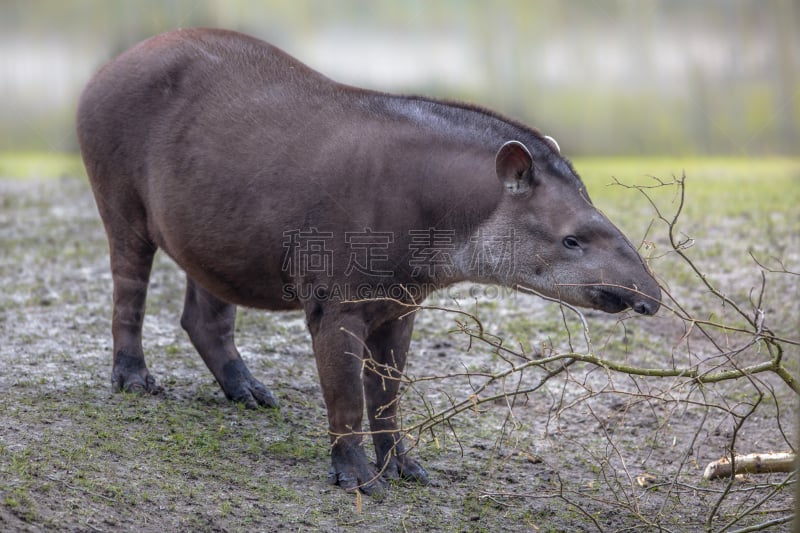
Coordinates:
(514,165)
(553,143)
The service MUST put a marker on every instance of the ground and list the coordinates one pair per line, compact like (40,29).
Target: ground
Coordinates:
(568,455)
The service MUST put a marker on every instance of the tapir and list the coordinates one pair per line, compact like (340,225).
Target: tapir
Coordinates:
(274,187)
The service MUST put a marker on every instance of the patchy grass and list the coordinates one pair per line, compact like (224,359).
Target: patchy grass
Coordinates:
(73,456)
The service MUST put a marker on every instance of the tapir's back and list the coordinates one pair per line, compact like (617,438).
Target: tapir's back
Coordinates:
(158,89)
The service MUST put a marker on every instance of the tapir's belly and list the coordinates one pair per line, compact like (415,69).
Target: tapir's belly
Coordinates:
(220,239)
(228,273)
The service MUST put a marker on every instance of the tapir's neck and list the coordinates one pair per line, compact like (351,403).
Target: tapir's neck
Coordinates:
(440,159)
(450,150)
(461,123)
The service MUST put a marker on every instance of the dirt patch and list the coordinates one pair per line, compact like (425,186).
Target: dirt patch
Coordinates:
(564,457)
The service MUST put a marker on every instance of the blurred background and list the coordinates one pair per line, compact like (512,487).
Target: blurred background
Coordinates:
(627,77)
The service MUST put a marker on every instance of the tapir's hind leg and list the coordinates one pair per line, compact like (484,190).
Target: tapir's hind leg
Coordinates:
(210,322)
(131,262)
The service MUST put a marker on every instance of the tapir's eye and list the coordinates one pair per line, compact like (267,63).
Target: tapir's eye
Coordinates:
(571,242)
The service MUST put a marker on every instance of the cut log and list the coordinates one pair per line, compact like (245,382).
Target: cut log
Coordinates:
(754,463)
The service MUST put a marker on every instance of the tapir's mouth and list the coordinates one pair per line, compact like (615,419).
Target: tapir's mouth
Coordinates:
(617,299)
(608,301)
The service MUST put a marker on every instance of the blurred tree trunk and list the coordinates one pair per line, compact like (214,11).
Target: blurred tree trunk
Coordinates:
(786,17)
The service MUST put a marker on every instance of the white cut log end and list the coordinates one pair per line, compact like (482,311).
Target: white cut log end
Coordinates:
(754,463)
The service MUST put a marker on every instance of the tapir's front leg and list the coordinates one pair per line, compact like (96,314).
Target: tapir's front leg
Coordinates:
(388,346)
(210,323)
(338,347)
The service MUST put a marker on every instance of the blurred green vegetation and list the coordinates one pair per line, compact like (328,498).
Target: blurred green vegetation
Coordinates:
(752,193)
(39,165)
(715,186)
(655,77)
(724,186)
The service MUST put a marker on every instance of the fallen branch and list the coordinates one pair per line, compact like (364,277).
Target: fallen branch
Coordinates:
(754,463)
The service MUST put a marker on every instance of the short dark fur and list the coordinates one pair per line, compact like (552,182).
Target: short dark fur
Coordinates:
(474,118)
(220,149)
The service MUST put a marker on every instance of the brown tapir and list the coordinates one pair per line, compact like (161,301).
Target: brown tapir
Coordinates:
(275,187)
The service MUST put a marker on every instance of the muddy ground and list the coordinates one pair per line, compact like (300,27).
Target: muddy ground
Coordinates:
(589,449)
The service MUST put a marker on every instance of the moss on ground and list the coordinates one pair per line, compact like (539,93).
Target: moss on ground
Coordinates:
(73,456)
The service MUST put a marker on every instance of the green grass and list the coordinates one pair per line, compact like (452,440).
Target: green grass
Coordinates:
(179,446)
(39,165)
(732,186)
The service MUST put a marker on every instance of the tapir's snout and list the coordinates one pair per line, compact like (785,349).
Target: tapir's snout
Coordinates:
(647,299)
(631,285)
(643,300)
(615,298)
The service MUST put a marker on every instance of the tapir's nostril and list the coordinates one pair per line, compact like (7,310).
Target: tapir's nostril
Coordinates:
(644,308)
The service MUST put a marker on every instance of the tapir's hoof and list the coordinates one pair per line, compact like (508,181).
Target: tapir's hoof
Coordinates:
(353,472)
(240,386)
(405,468)
(130,374)
(252,393)
(135,383)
